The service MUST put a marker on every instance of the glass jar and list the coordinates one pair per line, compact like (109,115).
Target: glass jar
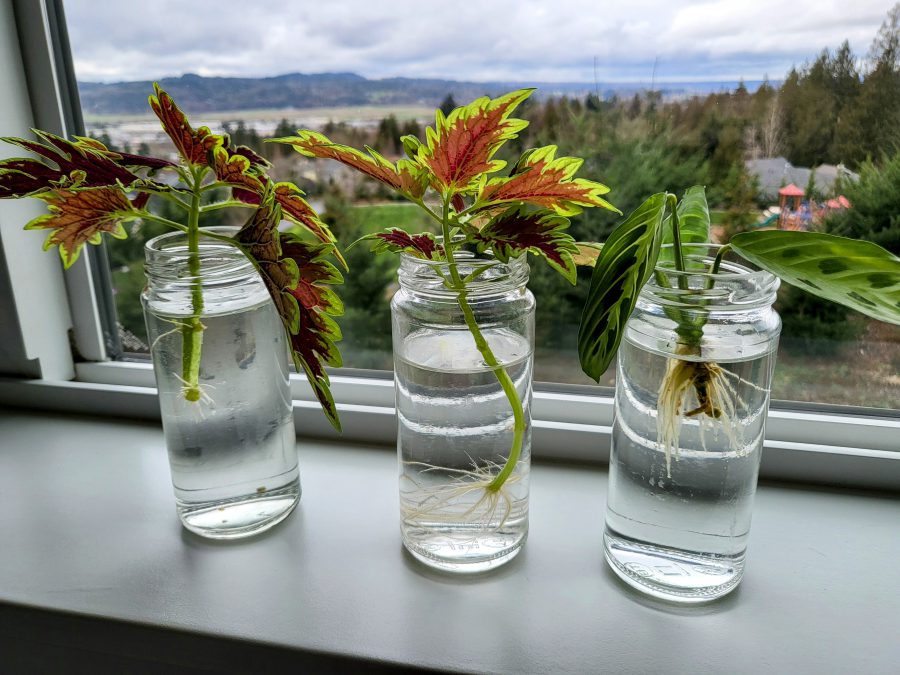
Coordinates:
(464,437)
(692,391)
(224,395)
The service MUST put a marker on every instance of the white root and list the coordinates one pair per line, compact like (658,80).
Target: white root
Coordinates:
(443,504)
(713,389)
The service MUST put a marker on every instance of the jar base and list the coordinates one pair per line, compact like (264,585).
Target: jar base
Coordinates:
(242,516)
(448,556)
(675,575)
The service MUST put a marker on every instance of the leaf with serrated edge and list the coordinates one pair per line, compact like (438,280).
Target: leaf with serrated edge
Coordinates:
(625,264)
(542,179)
(260,240)
(313,345)
(235,169)
(79,217)
(460,147)
(395,240)
(67,165)
(193,145)
(517,230)
(313,144)
(857,274)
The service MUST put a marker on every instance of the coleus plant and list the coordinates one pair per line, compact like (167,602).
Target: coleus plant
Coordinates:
(91,190)
(454,176)
(857,274)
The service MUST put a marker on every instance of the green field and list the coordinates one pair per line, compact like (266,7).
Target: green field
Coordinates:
(377,217)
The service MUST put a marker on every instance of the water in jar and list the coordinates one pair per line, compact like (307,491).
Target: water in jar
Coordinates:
(232,453)
(680,532)
(455,434)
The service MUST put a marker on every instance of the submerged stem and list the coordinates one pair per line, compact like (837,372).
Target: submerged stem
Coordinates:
(192,330)
(459,285)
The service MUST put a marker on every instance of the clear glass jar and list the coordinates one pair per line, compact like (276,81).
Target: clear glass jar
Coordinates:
(694,375)
(228,426)
(457,425)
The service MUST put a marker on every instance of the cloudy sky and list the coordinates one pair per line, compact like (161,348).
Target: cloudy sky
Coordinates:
(479,40)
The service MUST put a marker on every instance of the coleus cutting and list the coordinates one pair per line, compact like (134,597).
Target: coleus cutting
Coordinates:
(455,177)
(650,242)
(91,190)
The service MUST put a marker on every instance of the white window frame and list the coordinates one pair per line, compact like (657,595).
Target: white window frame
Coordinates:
(571,423)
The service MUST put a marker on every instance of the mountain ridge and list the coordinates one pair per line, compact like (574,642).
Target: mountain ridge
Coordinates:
(200,93)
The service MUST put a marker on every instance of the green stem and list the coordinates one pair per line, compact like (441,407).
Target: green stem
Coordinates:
(717,263)
(192,330)
(459,285)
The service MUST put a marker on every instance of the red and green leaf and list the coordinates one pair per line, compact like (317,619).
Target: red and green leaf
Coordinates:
(123,158)
(260,239)
(66,164)
(517,230)
(542,179)
(313,344)
(460,147)
(313,144)
(396,240)
(193,145)
(235,169)
(79,217)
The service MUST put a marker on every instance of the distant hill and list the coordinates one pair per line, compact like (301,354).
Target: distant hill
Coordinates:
(199,94)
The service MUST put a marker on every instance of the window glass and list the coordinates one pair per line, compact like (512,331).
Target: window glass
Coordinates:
(654,95)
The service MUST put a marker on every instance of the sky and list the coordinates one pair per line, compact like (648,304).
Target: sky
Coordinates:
(482,41)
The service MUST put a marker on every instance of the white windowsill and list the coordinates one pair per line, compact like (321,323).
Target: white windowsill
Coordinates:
(87,515)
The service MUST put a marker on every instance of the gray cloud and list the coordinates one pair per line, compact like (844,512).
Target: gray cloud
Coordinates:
(518,40)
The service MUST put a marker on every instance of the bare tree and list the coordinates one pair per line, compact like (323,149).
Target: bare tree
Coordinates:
(771,134)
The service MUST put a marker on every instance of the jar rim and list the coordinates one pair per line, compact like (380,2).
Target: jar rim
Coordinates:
(166,257)
(735,287)
(421,275)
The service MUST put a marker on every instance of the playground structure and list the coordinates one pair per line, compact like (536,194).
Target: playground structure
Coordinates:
(793,213)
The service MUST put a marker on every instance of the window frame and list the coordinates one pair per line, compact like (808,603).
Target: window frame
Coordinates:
(809,443)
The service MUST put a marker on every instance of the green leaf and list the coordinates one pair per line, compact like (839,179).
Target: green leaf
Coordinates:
(857,274)
(626,262)
(693,222)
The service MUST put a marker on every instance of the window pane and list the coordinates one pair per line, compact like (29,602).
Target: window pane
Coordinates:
(645,116)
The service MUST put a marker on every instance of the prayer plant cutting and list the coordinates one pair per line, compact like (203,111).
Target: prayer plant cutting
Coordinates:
(659,241)
(488,216)
(91,190)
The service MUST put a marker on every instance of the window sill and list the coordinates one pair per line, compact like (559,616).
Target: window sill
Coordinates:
(92,540)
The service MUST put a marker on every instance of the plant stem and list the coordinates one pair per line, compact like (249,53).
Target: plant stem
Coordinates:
(459,285)
(192,330)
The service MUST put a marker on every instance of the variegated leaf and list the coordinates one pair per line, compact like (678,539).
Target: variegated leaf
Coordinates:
(693,222)
(857,274)
(67,165)
(371,163)
(395,240)
(517,231)
(542,179)
(79,217)
(313,344)
(461,146)
(193,145)
(235,169)
(625,264)
(260,239)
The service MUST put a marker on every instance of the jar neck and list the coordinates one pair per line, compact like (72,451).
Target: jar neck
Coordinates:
(167,260)
(481,273)
(735,288)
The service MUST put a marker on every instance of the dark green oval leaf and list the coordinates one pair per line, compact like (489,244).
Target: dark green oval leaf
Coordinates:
(625,263)
(857,274)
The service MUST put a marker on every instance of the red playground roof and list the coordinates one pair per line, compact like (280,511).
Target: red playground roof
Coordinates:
(791,191)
